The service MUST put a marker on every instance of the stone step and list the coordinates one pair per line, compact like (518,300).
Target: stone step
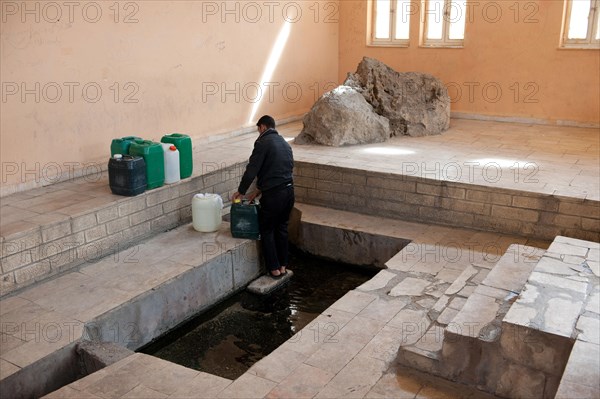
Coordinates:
(453,346)
(514,334)
(265,284)
(558,309)
(485,308)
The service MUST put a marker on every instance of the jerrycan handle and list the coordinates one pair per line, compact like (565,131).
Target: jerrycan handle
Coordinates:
(244,202)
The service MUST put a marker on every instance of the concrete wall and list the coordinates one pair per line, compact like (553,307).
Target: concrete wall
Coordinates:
(447,203)
(511,64)
(96,232)
(75,75)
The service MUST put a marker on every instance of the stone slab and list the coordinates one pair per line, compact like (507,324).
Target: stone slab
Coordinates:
(305,382)
(554,266)
(477,313)
(412,325)
(560,316)
(568,249)
(593,303)
(589,329)
(410,287)
(460,282)
(513,268)
(354,380)
(583,364)
(266,284)
(559,282)
(380,280)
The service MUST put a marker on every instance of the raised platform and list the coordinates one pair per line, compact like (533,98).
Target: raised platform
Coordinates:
(533,180)
(507,183)
(129,298)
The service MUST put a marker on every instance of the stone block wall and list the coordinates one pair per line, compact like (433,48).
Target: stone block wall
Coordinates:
(448,203)
(38,252)
(68,241)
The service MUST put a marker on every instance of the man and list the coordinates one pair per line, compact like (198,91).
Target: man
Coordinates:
(272,162)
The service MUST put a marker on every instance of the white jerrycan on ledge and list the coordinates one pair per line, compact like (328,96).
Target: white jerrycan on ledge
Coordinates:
(206,212)
(171,163)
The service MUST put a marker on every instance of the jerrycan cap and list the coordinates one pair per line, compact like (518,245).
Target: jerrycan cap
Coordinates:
(118,156)
(173,148)
(237,201)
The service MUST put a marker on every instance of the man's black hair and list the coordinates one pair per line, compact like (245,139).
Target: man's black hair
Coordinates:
(266,120)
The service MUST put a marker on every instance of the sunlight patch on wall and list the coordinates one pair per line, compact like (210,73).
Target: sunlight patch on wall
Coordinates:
(271,64)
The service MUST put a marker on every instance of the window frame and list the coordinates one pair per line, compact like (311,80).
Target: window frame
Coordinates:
(391,41)
(590,42)
(445,41)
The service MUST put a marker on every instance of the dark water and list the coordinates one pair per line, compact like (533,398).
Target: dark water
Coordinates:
(237,333)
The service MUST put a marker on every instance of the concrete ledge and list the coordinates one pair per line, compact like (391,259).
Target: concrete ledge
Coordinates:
(94,356)
(120,300)
(452,203)
(82,233)
(45,375)
(340,244)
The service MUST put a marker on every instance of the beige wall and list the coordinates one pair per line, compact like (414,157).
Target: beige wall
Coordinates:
(187,66)
(193,66)
(510,52)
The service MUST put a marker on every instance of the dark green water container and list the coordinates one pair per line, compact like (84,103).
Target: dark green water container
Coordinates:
(183,142)
(154,157)
(244,220)
(121,146)
(127,175)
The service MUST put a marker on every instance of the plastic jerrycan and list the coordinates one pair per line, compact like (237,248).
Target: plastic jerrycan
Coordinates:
(121,146)
(183,142)
(206,212)
(127,175)
(153,155)
(244,220)
(171,163)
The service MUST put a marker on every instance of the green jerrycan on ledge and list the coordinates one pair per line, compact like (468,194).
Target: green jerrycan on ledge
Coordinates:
(244,220)
(121,146)
(183,142)
(154,157)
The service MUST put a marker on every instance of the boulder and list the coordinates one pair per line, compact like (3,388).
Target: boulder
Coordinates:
(416,104)
(340,117)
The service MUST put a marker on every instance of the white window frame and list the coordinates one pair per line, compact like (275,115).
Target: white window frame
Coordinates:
(445,41)
(590,42)
(391,41)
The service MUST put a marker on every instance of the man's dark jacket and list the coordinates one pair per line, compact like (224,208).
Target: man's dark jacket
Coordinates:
(271,160)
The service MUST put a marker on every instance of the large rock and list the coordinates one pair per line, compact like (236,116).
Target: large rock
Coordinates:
(343,116)
(416,104)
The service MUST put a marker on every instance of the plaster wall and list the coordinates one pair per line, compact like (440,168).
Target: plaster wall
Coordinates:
(75,75)
(510,66)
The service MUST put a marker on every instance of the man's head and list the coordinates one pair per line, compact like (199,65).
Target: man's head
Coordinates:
(264,123)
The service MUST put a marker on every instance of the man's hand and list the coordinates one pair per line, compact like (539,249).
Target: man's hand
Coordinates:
(235,196)
(253,195)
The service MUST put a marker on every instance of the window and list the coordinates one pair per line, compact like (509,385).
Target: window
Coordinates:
(390,22)
(443,23)
(581,27)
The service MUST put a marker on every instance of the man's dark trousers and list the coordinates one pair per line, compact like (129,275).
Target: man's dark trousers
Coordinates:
(274,214)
